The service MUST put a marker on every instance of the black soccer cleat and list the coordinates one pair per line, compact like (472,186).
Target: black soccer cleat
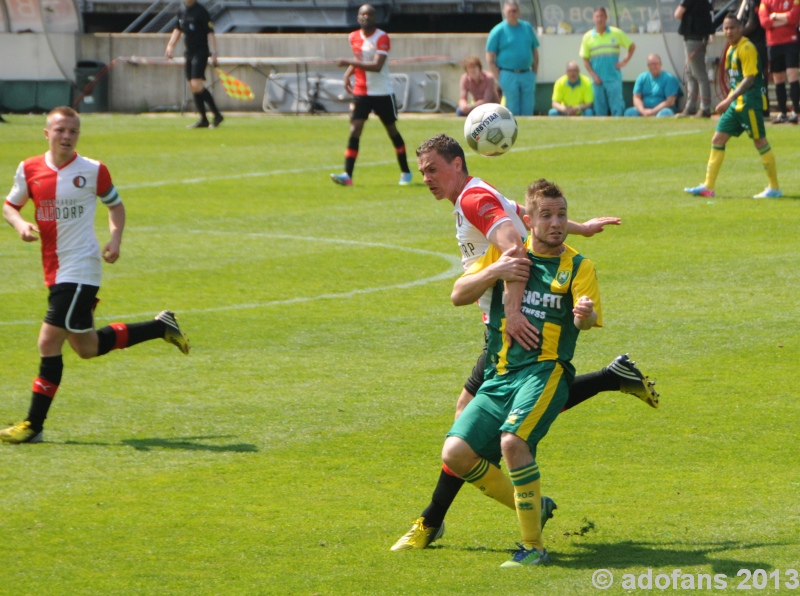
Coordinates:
(173,333)
(632,381)
(202,123)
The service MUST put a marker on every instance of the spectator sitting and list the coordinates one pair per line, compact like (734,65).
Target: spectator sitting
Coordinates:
(655,91)
(478,83)
(572,93)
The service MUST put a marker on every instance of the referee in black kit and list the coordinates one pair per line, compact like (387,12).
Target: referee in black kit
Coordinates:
(194,22)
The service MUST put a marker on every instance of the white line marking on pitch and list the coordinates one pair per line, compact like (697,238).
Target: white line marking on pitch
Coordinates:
(362,164)
(454,270)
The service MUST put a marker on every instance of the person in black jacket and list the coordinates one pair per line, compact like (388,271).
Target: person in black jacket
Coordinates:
(696,26)
(194,22)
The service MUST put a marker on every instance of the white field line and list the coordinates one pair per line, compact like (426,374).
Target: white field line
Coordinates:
(454,270)
(361,164)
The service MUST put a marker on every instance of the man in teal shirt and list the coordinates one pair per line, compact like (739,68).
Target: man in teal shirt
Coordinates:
(512,54)
(655,91)
(600,50)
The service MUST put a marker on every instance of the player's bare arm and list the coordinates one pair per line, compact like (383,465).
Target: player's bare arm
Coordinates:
(212,45)
(26,230)
(374,66)
(588,228)
(176,35)
(518,327)
(116,225)
(470,287)
(746,83)
(347,77)
(592,226)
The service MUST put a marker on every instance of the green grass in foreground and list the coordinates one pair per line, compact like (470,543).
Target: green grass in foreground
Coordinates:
(301,437)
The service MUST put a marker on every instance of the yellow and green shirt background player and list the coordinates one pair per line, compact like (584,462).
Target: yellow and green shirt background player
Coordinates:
(555,285)
(742,60)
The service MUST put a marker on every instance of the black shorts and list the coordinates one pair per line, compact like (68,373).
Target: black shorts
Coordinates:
(783,56)
(195,67)
(71,307)
(383,106)
(475,380)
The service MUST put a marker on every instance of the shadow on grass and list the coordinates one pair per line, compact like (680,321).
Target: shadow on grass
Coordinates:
(624,555)
(184,443)
(670,555)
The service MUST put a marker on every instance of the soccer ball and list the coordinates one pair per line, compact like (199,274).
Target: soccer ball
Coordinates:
(490,129)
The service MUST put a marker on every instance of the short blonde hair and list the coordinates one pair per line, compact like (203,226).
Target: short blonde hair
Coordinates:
(65,111)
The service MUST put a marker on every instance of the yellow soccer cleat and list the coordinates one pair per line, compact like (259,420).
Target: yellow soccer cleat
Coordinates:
(418,536)
(173,334)
(21,432)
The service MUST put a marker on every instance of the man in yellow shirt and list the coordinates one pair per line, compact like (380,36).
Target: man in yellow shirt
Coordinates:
(572,93)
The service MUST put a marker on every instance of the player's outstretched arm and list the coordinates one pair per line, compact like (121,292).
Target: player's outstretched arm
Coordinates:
(591,227)
(374,66)
(26,230)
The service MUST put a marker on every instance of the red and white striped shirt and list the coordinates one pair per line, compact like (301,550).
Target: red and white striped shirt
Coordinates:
(364,50)
(65,199)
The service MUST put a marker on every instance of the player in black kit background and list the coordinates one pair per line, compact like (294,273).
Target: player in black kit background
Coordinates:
(194,23)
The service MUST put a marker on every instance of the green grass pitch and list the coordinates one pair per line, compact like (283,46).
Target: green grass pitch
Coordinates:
(302,435)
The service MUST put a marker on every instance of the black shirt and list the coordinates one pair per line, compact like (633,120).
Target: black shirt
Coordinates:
(696,22)
(195,23)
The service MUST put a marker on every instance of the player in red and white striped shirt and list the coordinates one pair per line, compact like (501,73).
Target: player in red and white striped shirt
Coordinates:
(372,92)
(64,188)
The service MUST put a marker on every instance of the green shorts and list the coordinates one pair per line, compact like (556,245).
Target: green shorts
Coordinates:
(734,122)
(523,402)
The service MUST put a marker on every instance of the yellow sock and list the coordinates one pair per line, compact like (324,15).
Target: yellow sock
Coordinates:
(488,479)
(714,164)
(768,159)
(528,500)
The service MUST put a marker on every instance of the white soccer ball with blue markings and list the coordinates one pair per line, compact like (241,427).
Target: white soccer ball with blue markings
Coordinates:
(490,129)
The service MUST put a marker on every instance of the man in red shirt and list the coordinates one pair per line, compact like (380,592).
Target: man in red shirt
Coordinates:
(779,18)
(372,92)
(64,187)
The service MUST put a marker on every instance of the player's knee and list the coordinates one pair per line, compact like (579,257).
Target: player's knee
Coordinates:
(513,447)
(356,127)
(458,455)
(84,352)
(84,345)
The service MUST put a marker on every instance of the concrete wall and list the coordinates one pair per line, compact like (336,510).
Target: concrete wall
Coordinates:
(137,88)
(36,56)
